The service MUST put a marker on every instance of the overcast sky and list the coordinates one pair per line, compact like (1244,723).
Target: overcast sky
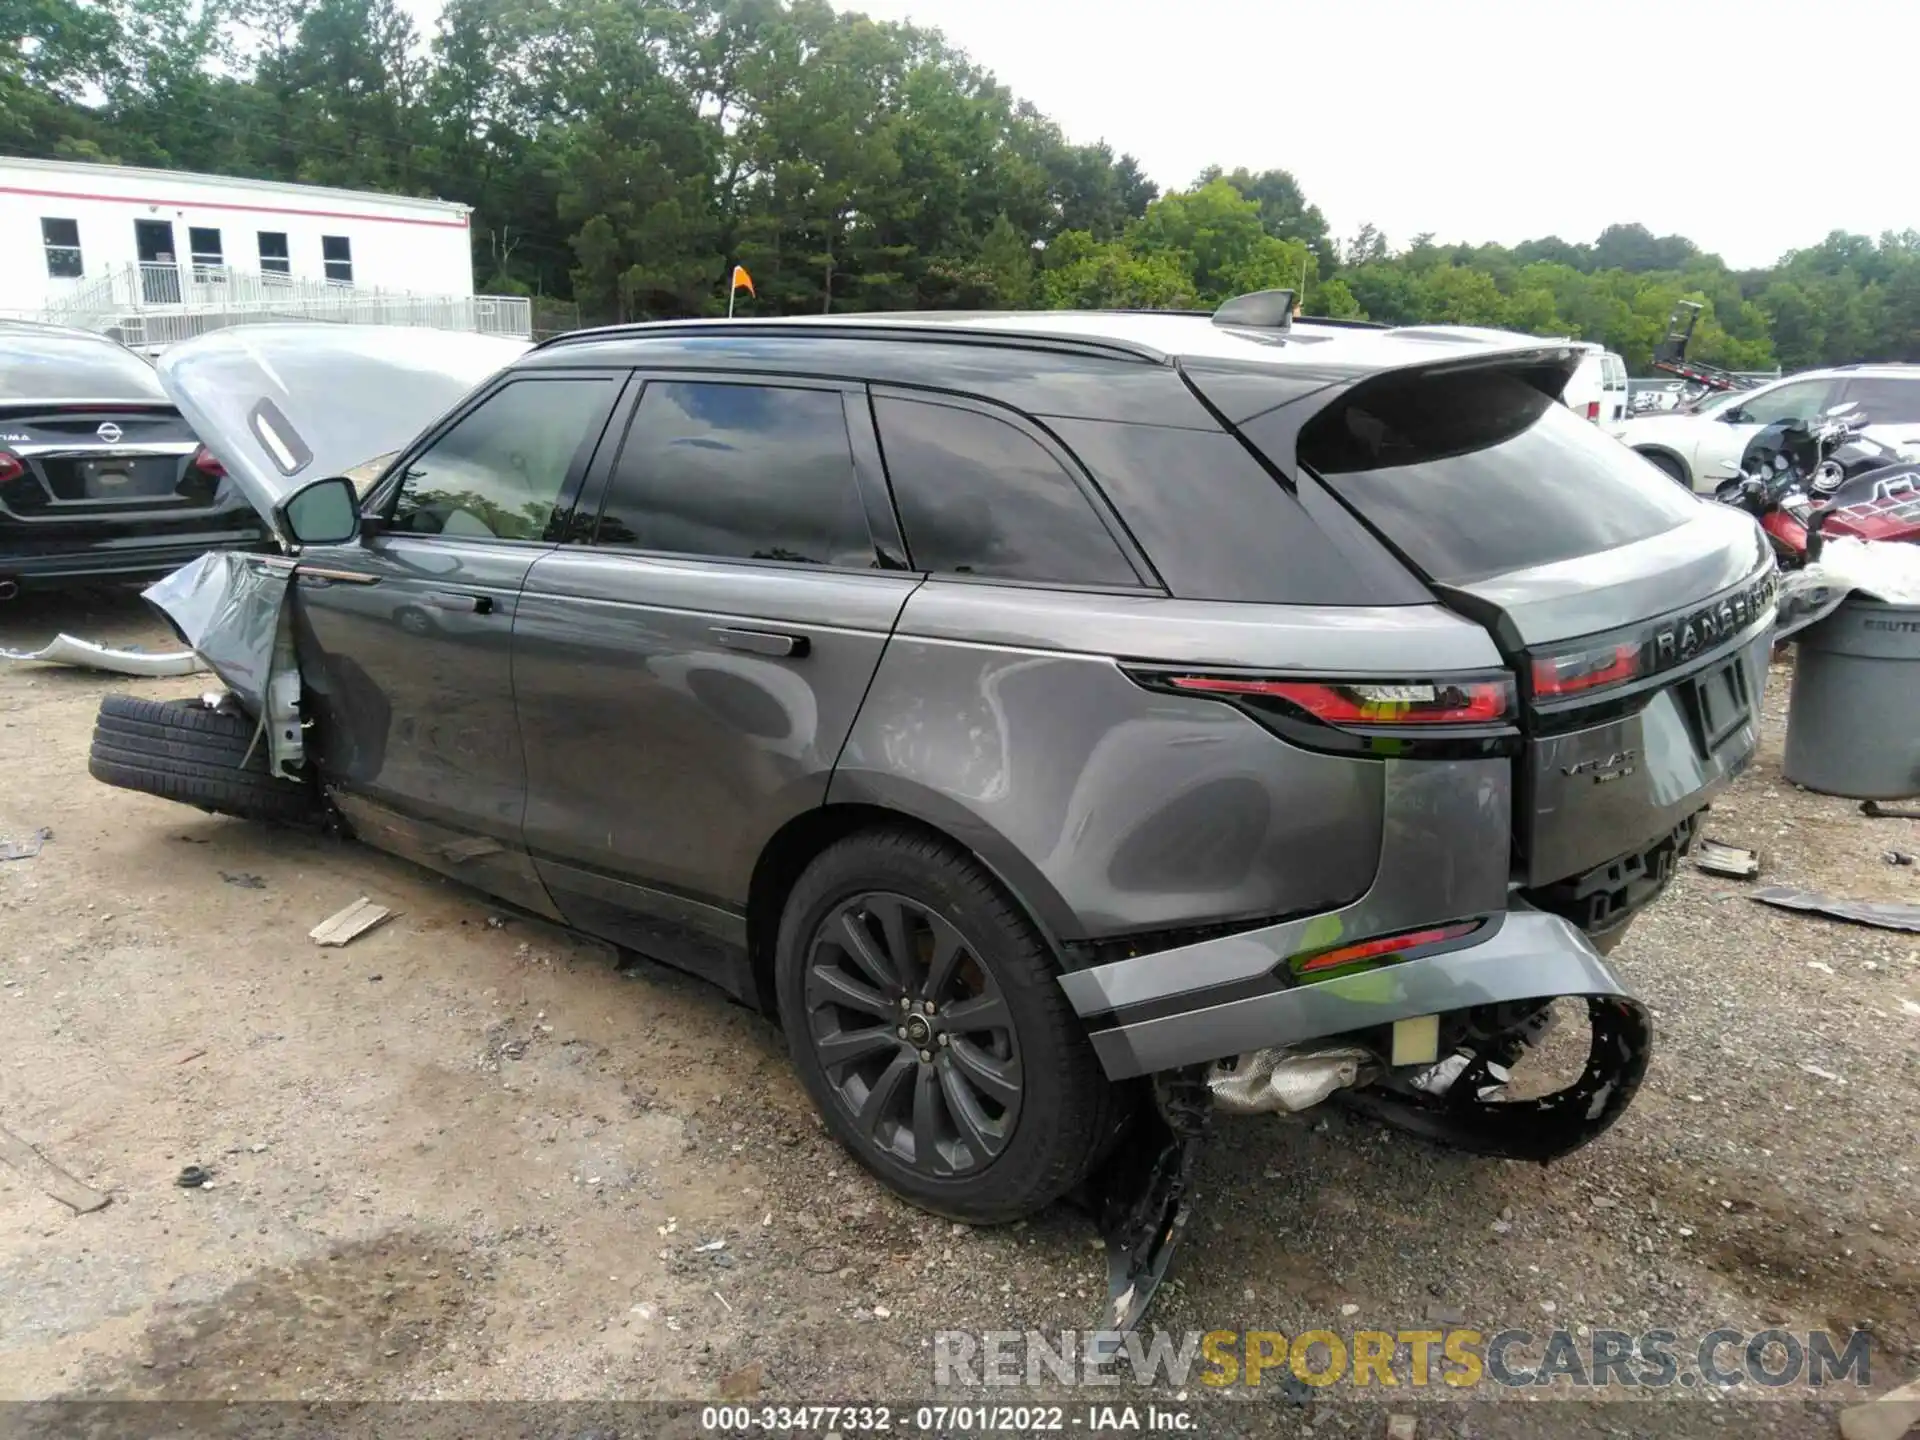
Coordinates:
(1750,126)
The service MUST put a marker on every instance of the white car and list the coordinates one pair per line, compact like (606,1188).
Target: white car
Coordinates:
(1702,447)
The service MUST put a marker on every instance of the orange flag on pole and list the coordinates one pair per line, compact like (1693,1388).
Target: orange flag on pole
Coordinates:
(740,277)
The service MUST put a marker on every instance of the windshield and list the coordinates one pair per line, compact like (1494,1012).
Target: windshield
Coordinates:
(1480,473)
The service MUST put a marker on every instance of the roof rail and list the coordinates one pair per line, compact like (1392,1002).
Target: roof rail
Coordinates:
(1259,310)
(868,327)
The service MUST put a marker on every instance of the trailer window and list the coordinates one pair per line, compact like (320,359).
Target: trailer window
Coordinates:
(337,252)
(62,239)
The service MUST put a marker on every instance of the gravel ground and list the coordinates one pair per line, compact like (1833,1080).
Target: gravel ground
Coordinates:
(471,1156)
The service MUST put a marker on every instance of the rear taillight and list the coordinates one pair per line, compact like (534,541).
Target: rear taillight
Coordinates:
(1367,703)
(1593,410)
(1376,951)
(205,461)
(1580,672)
(11,467)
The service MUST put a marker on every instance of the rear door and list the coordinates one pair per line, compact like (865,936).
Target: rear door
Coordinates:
(1891,404)
(688,666)
(1634,615)
(1614,402)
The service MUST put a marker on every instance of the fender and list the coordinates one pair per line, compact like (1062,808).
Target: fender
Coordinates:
(906,796)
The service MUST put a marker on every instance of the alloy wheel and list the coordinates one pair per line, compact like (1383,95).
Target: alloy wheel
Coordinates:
(914,1034)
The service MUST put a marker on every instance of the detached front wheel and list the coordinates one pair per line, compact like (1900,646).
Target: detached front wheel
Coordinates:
(181,750)
(926,1019)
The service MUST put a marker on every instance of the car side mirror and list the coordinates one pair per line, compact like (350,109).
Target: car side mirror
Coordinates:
(326,512)
(1735,416)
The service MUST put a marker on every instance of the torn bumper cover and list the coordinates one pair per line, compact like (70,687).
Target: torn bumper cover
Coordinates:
(230,609)
(1145,1014)
(87,655)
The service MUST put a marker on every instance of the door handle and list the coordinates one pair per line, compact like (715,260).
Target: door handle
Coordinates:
(761,642)
(472,604)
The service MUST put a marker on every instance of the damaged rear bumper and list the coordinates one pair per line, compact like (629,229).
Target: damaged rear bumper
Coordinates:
(1162,1012)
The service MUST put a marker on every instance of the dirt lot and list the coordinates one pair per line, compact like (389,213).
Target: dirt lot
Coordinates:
(470,1156)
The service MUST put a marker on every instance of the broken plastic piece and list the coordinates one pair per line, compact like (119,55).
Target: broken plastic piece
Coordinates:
(1140,1194)
(79,1198)
(25,849)
(1886,914)
(86,655)
(1734,861)
(350,924)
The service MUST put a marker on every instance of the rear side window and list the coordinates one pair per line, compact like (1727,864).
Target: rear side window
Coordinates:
(977,495)
(1218,527)
(1477,474)
(738,472)
(1887,399)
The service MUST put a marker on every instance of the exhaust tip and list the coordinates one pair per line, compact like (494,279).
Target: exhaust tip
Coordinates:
(9,589)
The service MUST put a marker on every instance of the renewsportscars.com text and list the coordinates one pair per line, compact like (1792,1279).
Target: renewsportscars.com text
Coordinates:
(1460,1359)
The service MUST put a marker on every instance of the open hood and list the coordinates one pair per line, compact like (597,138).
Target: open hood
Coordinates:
(283,405)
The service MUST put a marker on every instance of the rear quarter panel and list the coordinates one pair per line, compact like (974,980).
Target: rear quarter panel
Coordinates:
(1000,714)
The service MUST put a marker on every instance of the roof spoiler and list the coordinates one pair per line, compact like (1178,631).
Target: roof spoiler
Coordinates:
(1260,310)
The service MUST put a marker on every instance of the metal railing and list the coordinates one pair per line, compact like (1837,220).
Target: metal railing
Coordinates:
(156,305)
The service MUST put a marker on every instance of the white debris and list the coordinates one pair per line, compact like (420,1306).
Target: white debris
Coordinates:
(350,924)
(1819,1074)
(87,655)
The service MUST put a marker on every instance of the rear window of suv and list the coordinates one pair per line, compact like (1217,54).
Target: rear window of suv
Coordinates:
(1480,473)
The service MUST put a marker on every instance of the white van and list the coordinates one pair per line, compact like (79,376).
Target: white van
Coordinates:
(1598,389)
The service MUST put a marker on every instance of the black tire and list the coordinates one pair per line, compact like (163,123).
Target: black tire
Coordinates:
(1065,1106)
(181,750)
(1671,467)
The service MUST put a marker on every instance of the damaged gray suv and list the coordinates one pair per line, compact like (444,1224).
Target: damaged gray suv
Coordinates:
(1063,724)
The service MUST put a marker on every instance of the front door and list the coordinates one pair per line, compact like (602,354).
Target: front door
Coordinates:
(688,673)
(1722,444)
(159,265)
(406,638)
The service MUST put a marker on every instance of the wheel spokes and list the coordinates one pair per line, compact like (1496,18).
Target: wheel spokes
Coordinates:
(981,1012)
(892,916)
(948,947)
(998,1079)
(827,984)
(985,1137)
(926,1118)
(885,1091)
(913,1034)
(838,1051)
(852,937)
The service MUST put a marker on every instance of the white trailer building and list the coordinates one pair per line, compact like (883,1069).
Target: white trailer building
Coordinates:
(154,255)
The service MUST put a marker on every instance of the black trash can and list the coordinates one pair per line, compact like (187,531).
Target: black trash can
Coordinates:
(1853,722)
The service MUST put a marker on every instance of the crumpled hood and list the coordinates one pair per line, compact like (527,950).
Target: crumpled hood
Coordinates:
(283,405)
